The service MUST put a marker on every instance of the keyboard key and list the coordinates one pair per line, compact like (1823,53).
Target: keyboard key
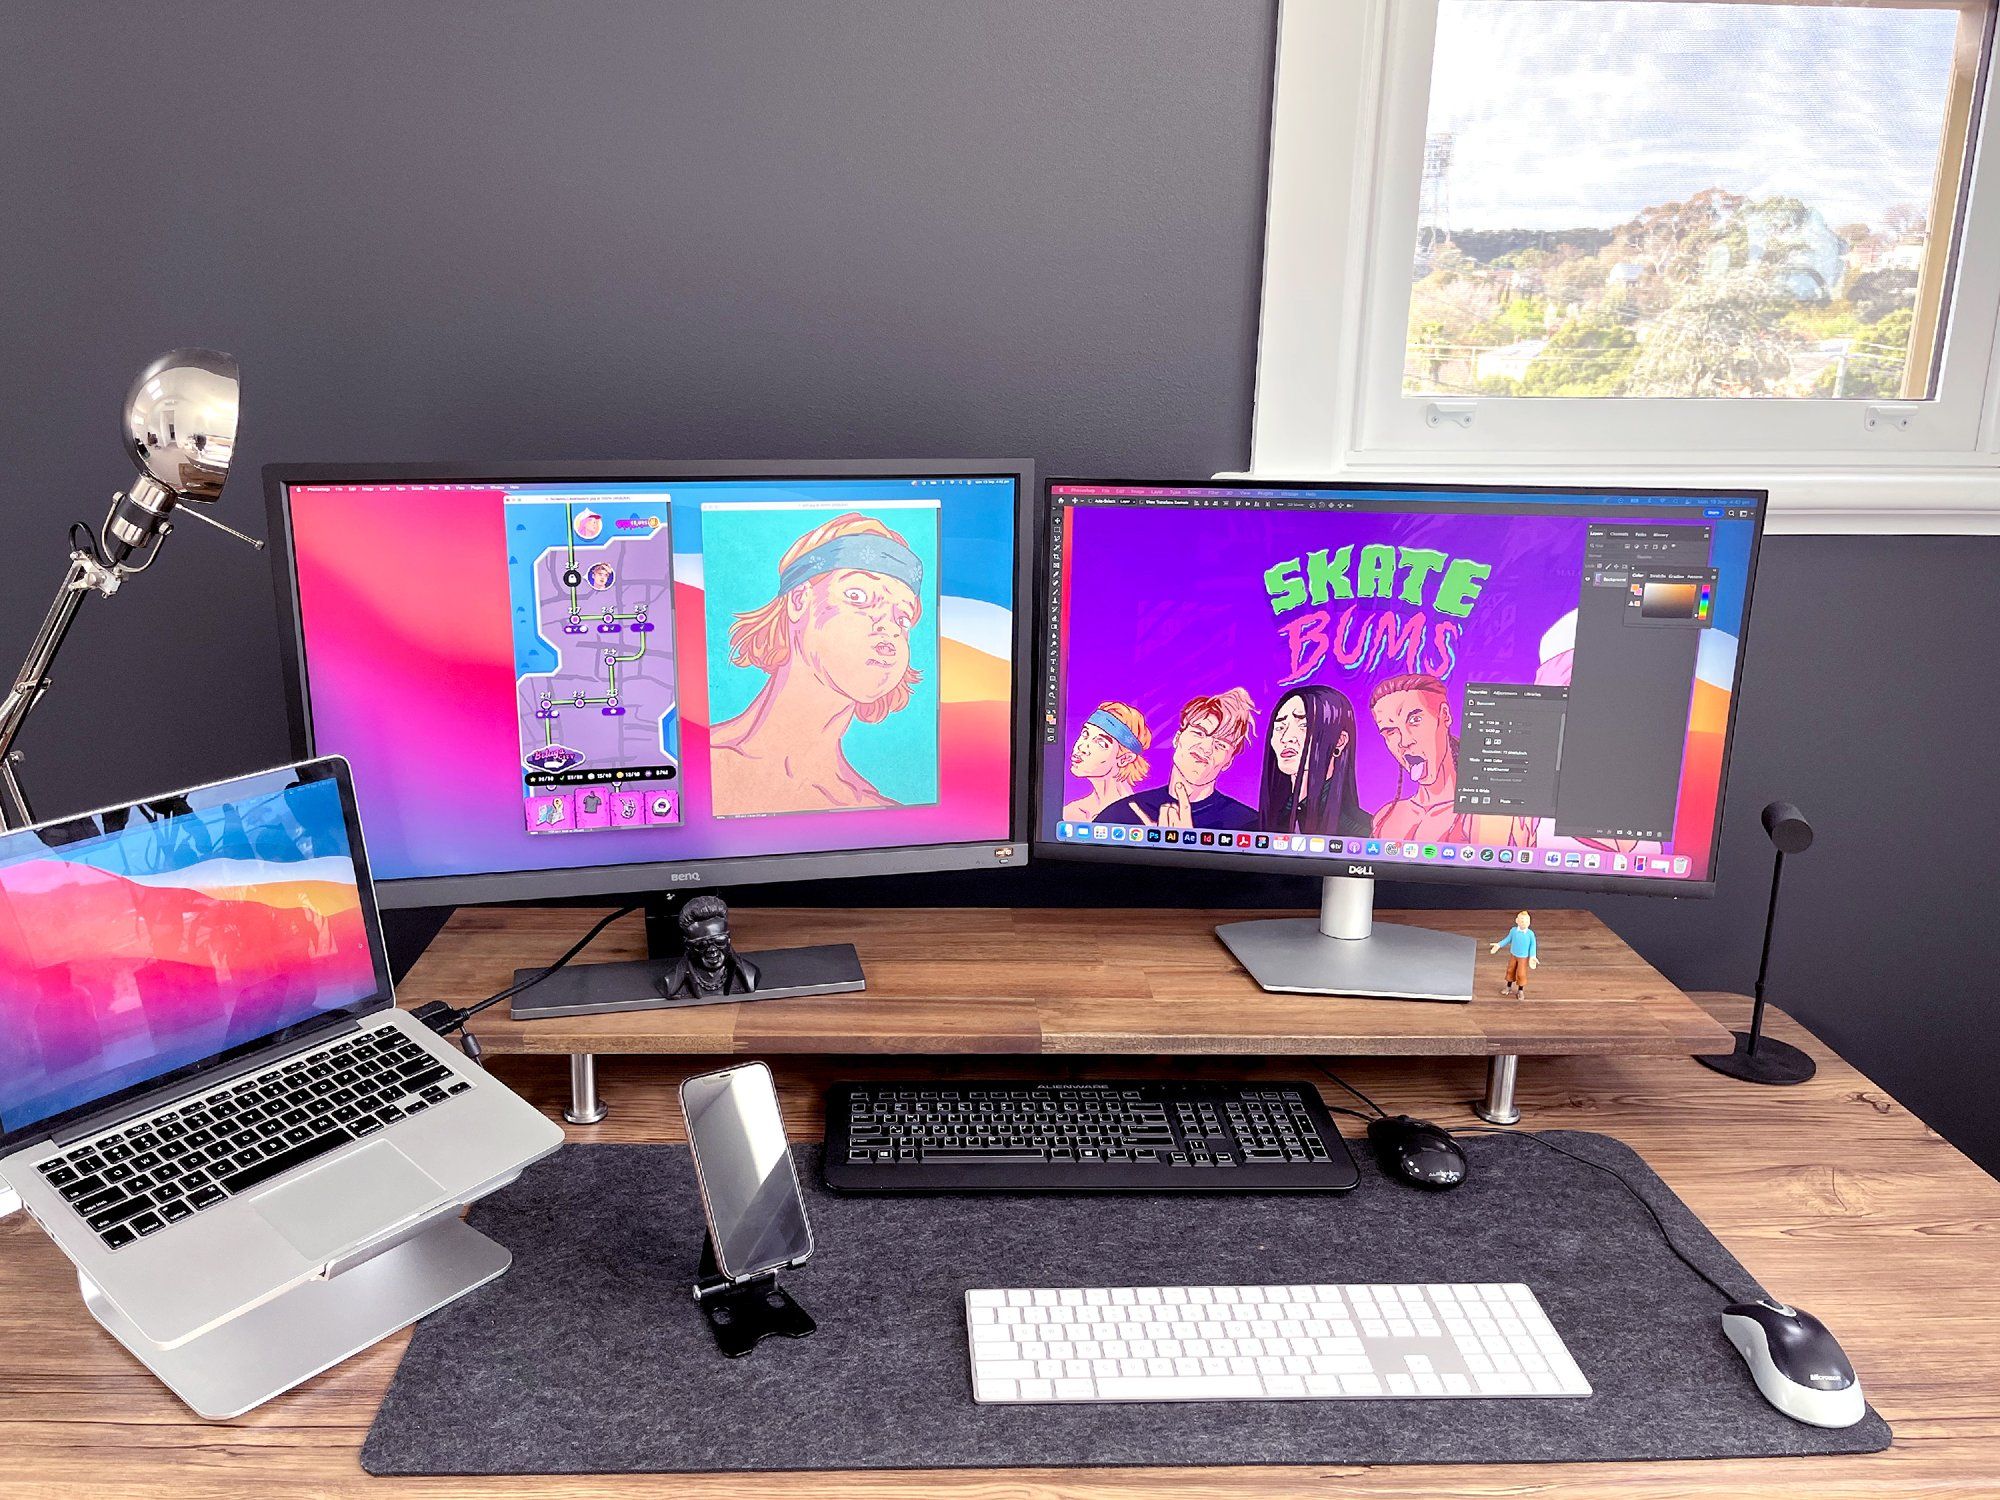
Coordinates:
(271,1166)
(117,1213)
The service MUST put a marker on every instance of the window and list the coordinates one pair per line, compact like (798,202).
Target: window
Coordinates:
(1636,237)
(1629,198)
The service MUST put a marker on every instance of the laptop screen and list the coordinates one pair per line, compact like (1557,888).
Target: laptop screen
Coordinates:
(147,940)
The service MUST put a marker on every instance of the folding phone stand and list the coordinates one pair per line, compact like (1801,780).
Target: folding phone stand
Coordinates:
(742,1314)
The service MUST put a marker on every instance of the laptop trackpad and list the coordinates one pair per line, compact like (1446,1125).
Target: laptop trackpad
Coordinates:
(338,1206)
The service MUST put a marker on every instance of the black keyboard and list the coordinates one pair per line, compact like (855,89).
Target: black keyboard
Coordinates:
(1083,1137)
(139,1179)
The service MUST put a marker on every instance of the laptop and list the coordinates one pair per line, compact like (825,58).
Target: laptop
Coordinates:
(208,1097)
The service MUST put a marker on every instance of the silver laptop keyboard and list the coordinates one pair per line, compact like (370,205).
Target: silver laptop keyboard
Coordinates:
(1265,1343)
(140,1178)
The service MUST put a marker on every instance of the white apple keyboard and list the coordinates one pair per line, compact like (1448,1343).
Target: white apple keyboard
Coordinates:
(1265,1343)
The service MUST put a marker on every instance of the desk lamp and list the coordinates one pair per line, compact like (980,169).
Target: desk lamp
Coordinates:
(180,428)
(1758,1058)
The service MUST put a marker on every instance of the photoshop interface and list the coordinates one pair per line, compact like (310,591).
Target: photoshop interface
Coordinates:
(1508,679)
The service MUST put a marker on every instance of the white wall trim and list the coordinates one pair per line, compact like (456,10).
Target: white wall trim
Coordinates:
(1326,146)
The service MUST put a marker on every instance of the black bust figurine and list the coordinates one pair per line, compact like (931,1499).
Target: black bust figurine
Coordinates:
(708,965)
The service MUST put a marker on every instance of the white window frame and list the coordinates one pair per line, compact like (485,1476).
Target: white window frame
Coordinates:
(1348,123)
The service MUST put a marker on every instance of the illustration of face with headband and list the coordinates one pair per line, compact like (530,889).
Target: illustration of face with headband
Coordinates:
(1108,754)
(835,639)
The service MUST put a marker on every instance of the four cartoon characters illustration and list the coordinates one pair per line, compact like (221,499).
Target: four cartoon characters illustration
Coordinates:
(1308,781)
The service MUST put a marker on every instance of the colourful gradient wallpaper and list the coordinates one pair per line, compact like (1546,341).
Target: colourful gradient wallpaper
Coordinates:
(410,660)
(142,950)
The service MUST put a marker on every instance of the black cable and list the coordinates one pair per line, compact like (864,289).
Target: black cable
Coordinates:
(445,1019)
(1618,1177)
(1527,1135)
(87,543)
(1353,1090)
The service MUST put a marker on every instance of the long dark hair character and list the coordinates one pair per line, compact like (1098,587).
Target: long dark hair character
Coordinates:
(1322,798)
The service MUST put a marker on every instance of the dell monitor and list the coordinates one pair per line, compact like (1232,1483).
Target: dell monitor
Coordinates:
(1501,686)
(572,679)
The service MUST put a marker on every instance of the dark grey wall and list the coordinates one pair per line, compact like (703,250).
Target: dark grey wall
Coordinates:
(762,227)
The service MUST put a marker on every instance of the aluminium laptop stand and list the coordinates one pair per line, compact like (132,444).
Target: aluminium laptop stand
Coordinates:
(354,1303)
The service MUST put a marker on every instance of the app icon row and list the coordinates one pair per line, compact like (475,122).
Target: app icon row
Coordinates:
(584,809)
(1600,861)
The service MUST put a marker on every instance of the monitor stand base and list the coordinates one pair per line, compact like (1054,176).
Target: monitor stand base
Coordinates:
(601,989)
(639,984)
(1345,953)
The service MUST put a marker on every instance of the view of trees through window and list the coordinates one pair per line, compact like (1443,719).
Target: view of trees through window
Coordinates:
(1655,198)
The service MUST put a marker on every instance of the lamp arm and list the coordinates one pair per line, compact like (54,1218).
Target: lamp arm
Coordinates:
(86,575)
(33,680)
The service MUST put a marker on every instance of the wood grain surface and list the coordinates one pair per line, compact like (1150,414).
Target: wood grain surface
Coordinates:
(1093,982)
(1831,1194)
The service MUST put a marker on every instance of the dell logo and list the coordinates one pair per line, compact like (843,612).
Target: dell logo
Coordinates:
(1368,870)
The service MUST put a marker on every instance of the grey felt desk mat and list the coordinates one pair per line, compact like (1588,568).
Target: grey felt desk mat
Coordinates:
(588,1356)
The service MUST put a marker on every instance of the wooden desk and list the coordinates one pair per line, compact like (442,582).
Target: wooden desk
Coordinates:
(1831,1194)
(1092,982)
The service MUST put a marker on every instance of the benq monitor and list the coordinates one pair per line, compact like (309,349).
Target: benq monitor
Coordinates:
(588,678)
(1503,686)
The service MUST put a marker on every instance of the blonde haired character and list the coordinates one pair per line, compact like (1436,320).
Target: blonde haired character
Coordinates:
(1213,728)
(1108,754)
(835,639)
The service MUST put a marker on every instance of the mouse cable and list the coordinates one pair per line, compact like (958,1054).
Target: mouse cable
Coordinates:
(1618,1177)
(1379,1110)
(444,1018)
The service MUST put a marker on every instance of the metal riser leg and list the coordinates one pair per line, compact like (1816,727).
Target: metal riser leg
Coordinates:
(585,1108)
(1498,1107)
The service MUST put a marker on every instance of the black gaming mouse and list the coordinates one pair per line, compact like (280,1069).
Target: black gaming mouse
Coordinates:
(1417,1152)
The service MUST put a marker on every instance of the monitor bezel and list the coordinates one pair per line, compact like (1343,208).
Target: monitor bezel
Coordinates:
(1043,847)
(382,997)
(709,873)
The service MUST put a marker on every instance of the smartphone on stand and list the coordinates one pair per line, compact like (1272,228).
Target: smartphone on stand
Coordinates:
(757,1224)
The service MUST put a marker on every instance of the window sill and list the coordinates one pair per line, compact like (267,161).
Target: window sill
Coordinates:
(1959,501)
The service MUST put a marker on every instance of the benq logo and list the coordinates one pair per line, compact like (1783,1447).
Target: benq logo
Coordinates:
(683,877)
(1368,870)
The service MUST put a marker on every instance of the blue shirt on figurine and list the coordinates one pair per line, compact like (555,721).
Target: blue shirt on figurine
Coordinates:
(1519,941)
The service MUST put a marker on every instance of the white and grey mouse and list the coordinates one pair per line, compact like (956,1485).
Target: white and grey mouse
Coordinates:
(1796,1363)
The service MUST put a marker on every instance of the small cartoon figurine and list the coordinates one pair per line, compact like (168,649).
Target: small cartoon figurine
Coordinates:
(1520,945)
(708,965)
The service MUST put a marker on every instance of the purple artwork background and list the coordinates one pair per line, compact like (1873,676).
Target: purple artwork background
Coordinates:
(1162,604)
